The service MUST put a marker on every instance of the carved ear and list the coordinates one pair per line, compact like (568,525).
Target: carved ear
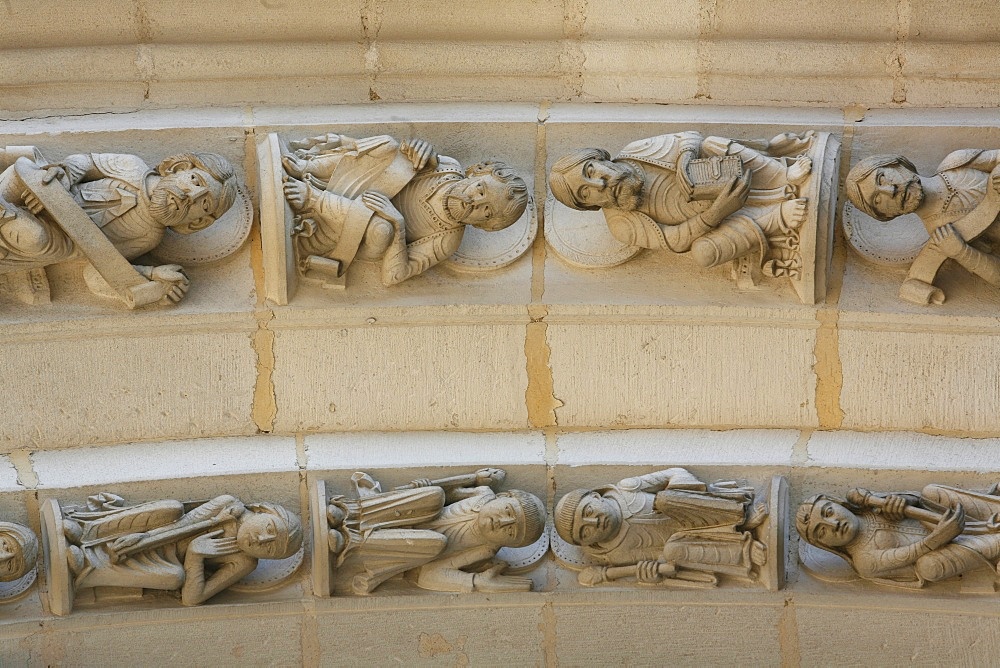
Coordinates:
(201,223)
(174,165)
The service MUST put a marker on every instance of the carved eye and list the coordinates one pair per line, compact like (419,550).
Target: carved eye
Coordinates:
(877,201)
(828,511)
(880,178)
(487,213)
(588,169)
(584,192)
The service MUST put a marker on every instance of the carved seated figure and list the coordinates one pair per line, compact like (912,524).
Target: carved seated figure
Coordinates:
(166,545)
(959,205)
(445,534)
(906,539)
(716,199)
(127,208)
(403,204)
(663,527)
(18,551)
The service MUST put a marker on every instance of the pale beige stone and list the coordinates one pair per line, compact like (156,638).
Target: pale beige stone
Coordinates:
(928,635)
(271,634)
(905,540)
(421,450)
(467,630)
(106,548)
(948,386)
(902,450)
(668,529)
(683,631)
(379,372)
(663,354)
(102,398)
(736,447)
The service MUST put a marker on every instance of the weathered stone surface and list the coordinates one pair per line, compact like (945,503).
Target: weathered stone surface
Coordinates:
(402,375)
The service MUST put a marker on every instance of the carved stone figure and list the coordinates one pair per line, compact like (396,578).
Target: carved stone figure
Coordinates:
(714,199)
(18,555)
(401,204)
(447,535)
(196,549)
(670,528)
(958,205)
(905,539)
(108,208)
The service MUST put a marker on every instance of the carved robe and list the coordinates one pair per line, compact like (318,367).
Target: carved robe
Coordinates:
(661,219)
(159,567)
(892,551)
(117,203)
(412,530)
(966,186)
(376,164)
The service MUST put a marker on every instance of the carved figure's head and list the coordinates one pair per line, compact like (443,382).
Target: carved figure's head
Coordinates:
(491,197)
(511,519)
(18,551)
(827,522)
(194,190)
(584,517)
(588,179)
(268,531)
(885,186)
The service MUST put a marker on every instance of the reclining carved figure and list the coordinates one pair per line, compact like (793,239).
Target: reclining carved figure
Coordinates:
(959,205)
(717,199)
(906,539)
(109,208)
(196,549)
(402,204)
(665,527)
(444,533)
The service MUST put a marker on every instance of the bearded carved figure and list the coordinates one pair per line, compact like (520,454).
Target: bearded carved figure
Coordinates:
(399,204)
(109,209)
(763,206)
(959,206)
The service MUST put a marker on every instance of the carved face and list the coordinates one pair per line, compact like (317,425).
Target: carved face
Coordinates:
(501,521)
(185,200)
(11,557)
(831,524)
(476,200)
(262,535)
(606,184)
(892,191)
(597,519)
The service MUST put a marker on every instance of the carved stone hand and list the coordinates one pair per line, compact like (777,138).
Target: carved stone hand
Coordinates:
(210,545)
(173,279)
(948,240)
(493,580)
(734,194)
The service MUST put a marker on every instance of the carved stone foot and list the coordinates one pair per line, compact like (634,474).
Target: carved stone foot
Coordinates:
(799,171)
(794,212)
